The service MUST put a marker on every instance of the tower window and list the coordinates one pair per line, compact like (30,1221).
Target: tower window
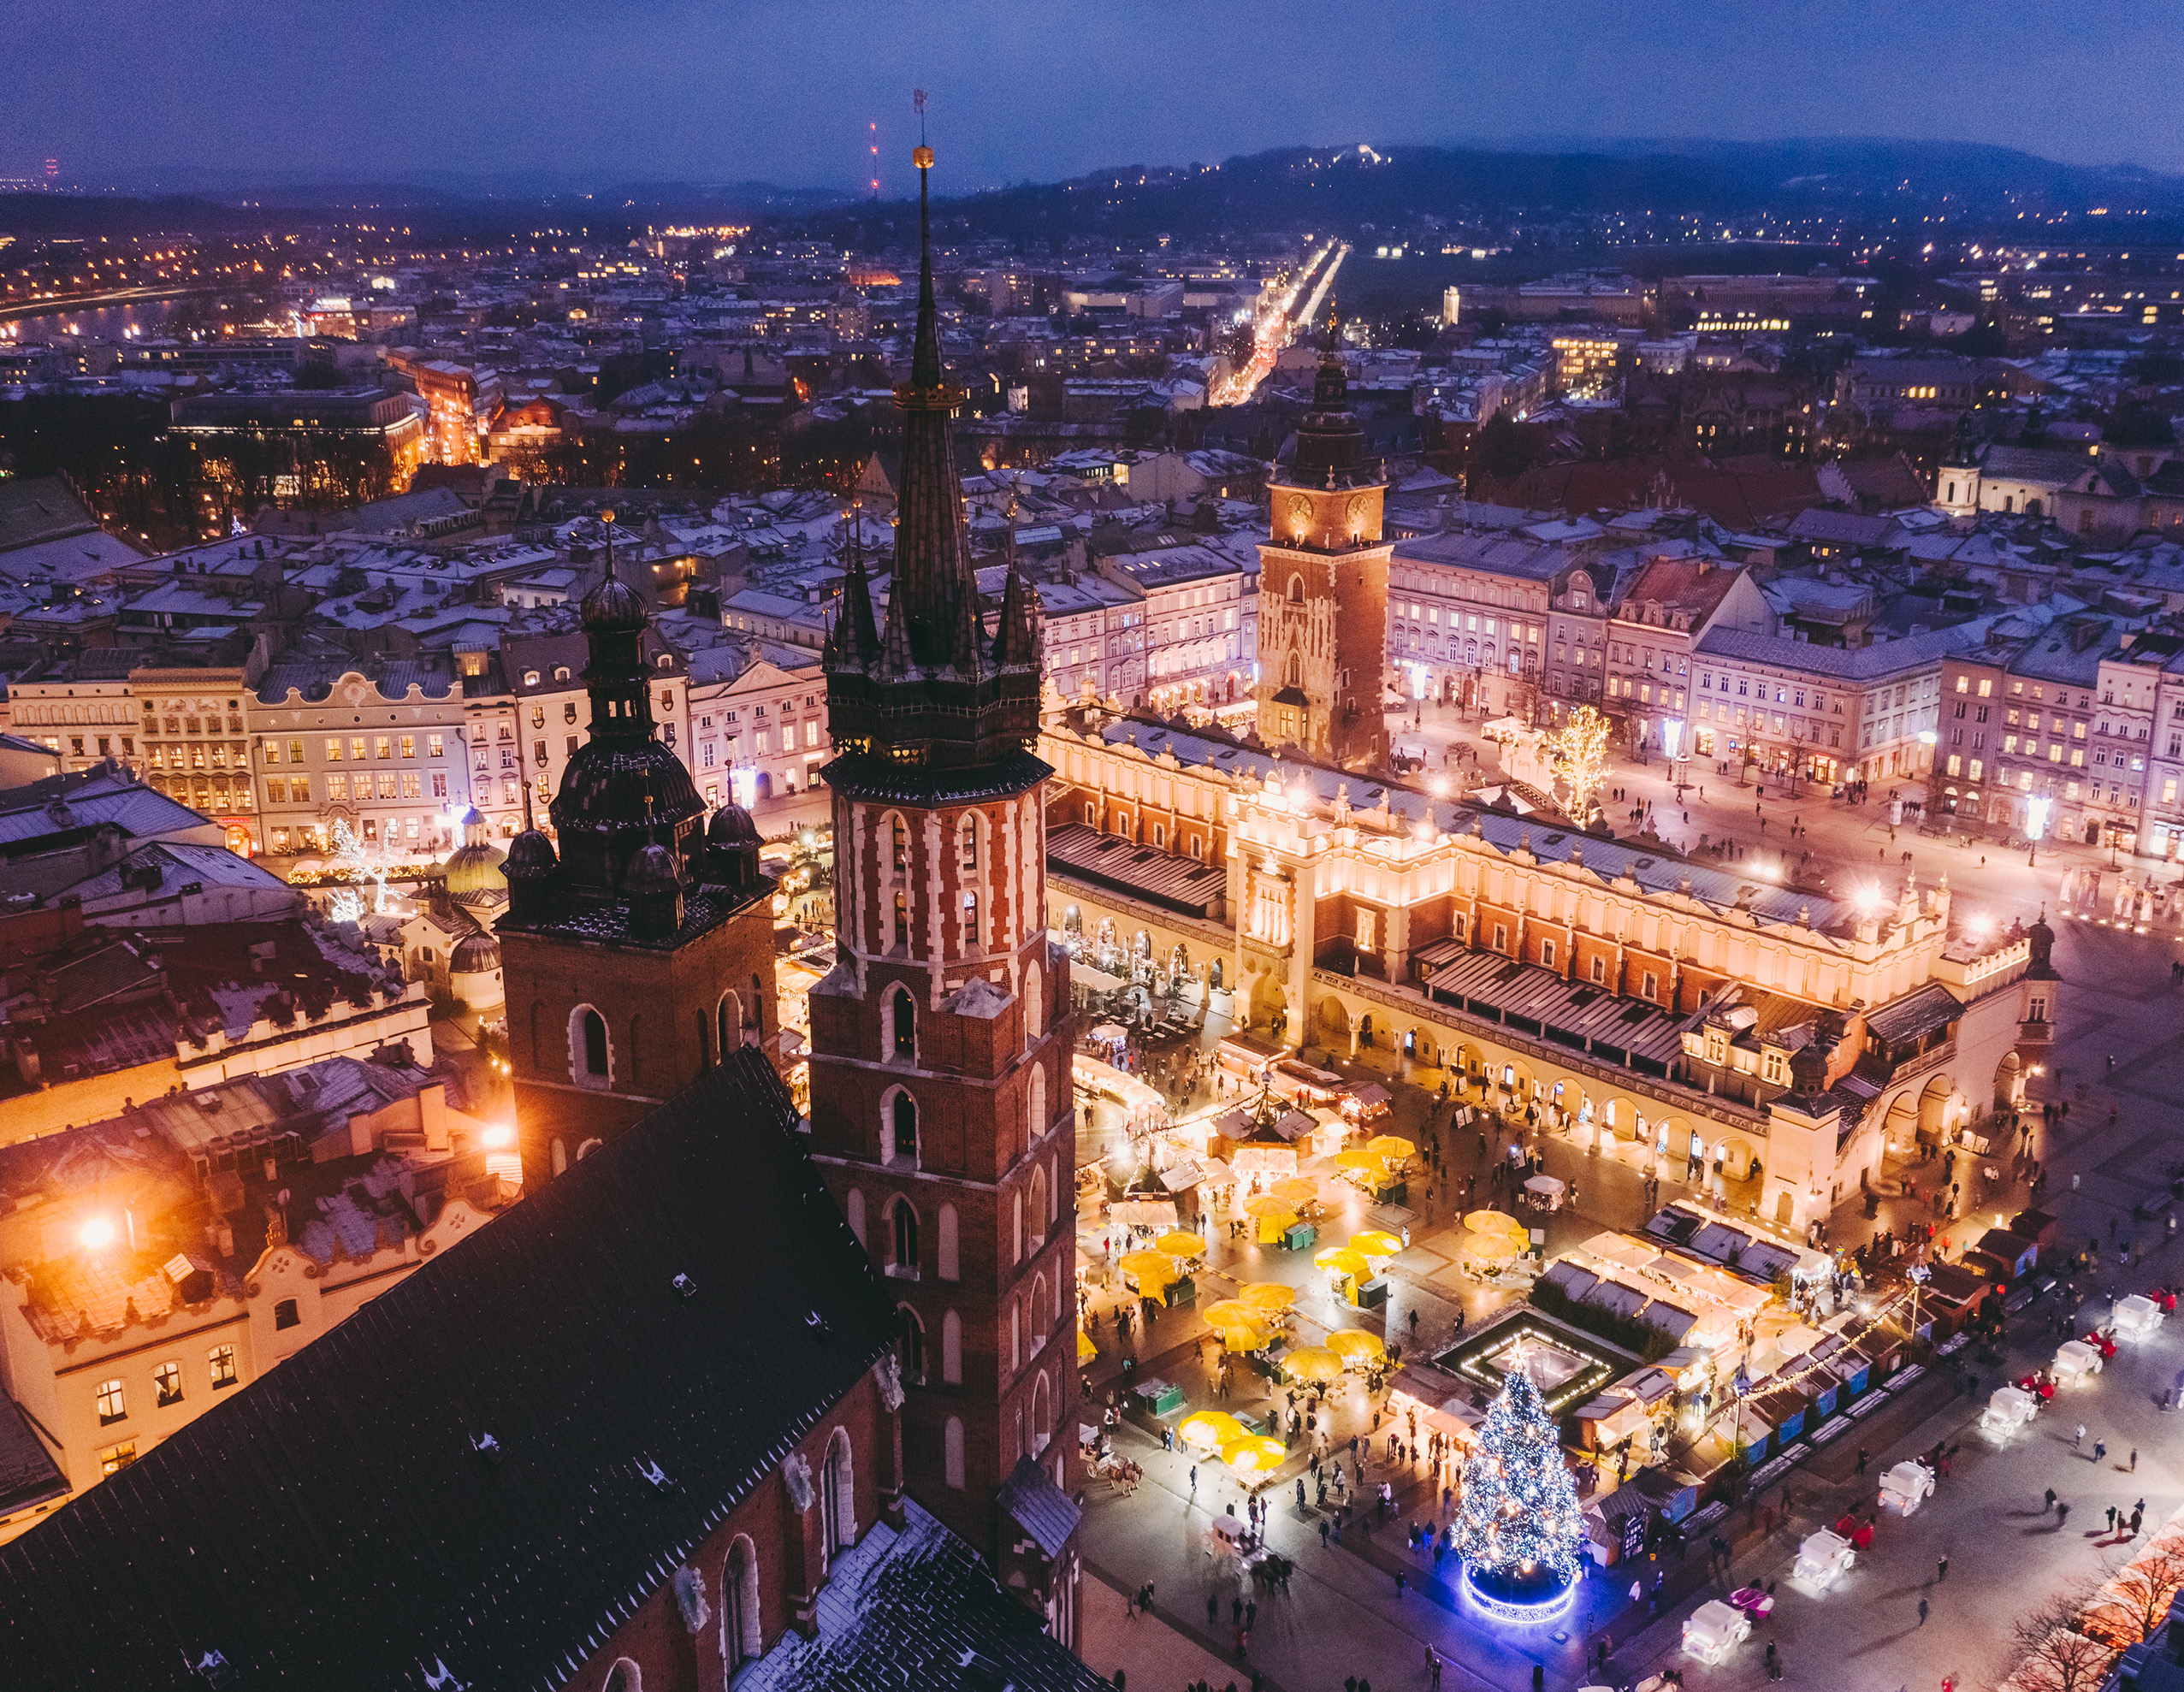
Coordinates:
(904,1015)
(1296,590)
(970,919)
(589,1037)
(970,843)
(903,1129)
(909,1347)
(901,920)
(903,1239)
(902,847)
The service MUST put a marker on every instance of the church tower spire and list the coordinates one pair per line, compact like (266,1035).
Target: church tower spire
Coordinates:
(929,690)
(940,1101)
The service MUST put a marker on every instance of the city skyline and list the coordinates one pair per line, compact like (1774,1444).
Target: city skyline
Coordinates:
(677,93)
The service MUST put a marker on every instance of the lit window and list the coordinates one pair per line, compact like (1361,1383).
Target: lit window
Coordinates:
(113,1401)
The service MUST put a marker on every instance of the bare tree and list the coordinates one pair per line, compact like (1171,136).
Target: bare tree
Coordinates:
(2065,1662)
(2030,1628)
(2133,1604)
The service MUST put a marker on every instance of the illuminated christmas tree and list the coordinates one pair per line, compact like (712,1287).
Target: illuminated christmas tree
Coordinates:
(1579,754)
(1517,1530)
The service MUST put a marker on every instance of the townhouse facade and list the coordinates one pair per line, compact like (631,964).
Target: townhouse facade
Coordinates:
(757,724)
(2055,732)
(1189,603)
(395,757)
(1822,713)
(1468,615)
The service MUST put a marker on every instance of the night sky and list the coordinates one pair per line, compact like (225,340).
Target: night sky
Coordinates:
(182,93)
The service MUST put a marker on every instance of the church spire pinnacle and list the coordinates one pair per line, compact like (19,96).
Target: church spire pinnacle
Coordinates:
(932,611)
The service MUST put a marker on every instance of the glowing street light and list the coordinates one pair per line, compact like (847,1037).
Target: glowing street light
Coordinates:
(97,1234)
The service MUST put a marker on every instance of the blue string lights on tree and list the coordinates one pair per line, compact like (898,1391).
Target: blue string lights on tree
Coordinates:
(1519,1528)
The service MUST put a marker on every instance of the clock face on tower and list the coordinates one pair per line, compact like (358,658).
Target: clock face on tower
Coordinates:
(1300,511)
(1356,509)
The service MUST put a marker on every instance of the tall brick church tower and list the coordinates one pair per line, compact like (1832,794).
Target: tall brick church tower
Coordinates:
(940,1101)
(642,950)
(1323,589)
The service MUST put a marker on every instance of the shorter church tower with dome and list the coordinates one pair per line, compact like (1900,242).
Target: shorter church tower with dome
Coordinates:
(641,950)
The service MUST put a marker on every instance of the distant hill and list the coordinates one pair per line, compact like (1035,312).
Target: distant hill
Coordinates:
(1987,178)
(1299,189)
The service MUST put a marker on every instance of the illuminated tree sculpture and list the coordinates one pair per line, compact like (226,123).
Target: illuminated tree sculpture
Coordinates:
(355,856)
(1579,756)
(1517,1530)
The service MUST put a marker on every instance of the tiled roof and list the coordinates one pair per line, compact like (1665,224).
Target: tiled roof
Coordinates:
(1491,554)
(1931,1007)
(105,792)
(1039,1507)
(917,1609)
(28,1474)
(1845,663)
(332,1524)
(1655,869)
(1158,878)
(1490,985)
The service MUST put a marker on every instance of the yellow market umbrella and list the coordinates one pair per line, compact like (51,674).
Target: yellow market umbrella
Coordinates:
(1242,1334)
(1342,1260)
(1181,1245)
(1266,1205)
(1298,1190)
(1151,1271)
(1312,1363)
(1254,1454)
(1210,1430)
(1492,1221)
(1376,1243)
(1267,1295)
(1355,1345)
(1392,1147)
(1484,1249)
(1229,1309)
(1360,1161)
(1086,1350)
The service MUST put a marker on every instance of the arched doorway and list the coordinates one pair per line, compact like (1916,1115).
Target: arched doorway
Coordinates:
(1939,1112)
(2009,1084)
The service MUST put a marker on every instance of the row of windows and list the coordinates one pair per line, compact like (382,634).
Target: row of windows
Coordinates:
(113,1396)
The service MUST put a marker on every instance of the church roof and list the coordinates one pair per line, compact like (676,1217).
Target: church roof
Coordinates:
(339,1522)
(917,1608)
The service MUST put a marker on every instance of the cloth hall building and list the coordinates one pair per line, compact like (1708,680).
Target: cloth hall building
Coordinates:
(1619,989)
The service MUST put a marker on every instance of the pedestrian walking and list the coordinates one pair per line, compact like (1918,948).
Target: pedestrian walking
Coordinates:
(1212,1609)
(2100,1450)
(2061,1512)
(2135,1459)
(1922,1612)
(1941,1573)
(1194,1480)
(2078,1443)
(2050,1504)
(1864,1457)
